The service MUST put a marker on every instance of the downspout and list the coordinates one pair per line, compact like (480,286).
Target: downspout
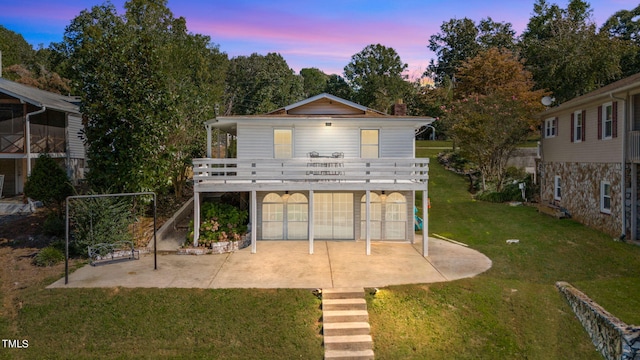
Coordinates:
(624,165)
(28,136)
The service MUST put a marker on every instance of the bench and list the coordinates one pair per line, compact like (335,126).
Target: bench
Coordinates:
(553,210)
(108,252)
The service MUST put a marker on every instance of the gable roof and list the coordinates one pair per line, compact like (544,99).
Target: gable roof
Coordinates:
(39,97)
(606,91)
(338,106)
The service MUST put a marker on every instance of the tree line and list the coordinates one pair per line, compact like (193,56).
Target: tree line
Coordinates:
(147,83)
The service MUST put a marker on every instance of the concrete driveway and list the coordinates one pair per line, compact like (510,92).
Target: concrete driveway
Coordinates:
(287,264)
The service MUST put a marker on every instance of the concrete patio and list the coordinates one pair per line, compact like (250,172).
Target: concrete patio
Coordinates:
(287,264)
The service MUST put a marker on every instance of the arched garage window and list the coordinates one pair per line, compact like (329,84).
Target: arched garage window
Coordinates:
(296,223)
(272,217)
(285,217)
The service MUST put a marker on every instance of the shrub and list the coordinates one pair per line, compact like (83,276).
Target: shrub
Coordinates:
(53,225)
(48,256)
(48,183)
(220,222)
(99,220)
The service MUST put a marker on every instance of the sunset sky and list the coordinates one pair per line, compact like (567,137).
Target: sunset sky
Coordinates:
(322,34)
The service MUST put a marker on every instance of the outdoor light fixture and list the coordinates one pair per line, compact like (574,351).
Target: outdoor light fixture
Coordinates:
(327,124)
(285,197)
(383,197)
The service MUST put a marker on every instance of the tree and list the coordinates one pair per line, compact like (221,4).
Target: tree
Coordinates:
(461,39)
(48,183)
(566,54)
(337,86)
(375,74)
(625,26)
(258,84)
(496,112)
(15,49)
(147,85)
(314,81)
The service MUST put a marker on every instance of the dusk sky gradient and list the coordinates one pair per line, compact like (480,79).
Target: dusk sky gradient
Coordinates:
(322,34)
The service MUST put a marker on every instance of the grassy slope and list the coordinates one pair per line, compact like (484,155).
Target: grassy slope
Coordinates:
(513,310)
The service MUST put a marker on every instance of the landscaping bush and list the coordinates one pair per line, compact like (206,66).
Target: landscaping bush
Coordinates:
(48,183)
(219,222)
(99,220)
(53,225)
(48,256)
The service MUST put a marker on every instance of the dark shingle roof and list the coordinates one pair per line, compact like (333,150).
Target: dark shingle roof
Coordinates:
(39,97)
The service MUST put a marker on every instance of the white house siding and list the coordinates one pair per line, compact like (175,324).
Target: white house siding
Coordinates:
(561,149)
(256,141)
(76,152)
(581,192)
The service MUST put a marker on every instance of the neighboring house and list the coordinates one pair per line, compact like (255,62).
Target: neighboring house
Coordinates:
(34,122)
(589,157)
(324,168)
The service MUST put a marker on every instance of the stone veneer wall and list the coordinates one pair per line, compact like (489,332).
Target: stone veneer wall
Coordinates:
(581,192)
(613,338)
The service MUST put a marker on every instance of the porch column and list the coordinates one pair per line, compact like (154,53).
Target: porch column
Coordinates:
(196,217)
(310,221)
(254,221)
(425,222)
(368,220)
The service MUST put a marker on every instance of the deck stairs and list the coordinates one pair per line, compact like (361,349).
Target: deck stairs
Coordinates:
(345,324)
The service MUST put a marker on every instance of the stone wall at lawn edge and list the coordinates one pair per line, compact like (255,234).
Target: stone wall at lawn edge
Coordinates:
(614,339)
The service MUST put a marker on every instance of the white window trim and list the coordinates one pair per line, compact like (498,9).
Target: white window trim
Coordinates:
(604,121)
(604,210)
(377,146)
(557,185)
(549,127)
(275,152)
(577,130)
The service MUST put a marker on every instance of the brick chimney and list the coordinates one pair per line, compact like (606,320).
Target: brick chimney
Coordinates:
(399,108)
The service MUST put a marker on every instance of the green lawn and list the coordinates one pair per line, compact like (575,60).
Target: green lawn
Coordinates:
(512,311)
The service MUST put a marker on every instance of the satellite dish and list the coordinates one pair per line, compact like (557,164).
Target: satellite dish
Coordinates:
(547,100)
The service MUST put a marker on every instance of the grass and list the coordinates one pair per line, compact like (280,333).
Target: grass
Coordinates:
(511,311)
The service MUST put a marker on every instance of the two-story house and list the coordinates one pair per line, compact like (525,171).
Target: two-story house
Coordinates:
(323,168)
(590,151)
(33,122)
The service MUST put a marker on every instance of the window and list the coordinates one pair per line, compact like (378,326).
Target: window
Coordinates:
(395,217)
(557,188)
(375,213)
(578,126)
(607,121)
(369,148)
(550,127)
(282,143)
(605,197)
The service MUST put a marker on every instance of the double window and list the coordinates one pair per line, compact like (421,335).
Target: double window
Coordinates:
(550,127)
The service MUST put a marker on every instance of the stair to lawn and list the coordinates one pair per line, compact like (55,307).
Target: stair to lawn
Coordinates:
(345,324)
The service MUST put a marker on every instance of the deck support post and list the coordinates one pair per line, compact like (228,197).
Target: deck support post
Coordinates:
(368,219)
(196,217)
(425,222)
(254,221)
(310,221)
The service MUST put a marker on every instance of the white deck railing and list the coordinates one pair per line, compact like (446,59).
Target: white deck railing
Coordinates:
(297,170)
(633,146)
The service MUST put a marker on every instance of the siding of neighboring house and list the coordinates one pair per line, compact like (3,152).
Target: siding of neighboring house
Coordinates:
(591,149)
(581,192)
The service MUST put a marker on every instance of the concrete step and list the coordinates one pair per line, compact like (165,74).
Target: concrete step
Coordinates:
(348,355)
(344,304)
(343,293)
(348,342)
(346,328)
(333,316)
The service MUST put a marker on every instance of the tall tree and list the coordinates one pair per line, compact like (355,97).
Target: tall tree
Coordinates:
(625,26)
(566,54)
(337,86)
(146,87)
(462,39)
(314,81)
(375,74)
(257,84)
(496,112)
